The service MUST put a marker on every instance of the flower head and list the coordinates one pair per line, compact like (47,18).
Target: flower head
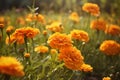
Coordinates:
(72,57)
(55,26)
(9,29)
(113,30)
(27,55)
(91,8)
(41,49)
(98,24)
(80,35)
(10,66)
(86,68)
(74,17)
(110,47)
(106,78)
(59,40)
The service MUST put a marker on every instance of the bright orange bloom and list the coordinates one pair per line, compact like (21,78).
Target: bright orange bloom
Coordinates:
(41,18)
(106,78)
(98,24)
(110,47)
(72,57)
(113,30)
(9,29)
(91,8)
(55,26)
(86,68)
(79,35)
(59,40)
(74,17)
(27,55)
(2,22)
(10,66)
(41,49)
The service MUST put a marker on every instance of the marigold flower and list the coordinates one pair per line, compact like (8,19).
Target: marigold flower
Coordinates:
(9,29)
(44,32)
(79,35)
(113,30)
(106,78)
(21,21)
(10,66)
(86,68)
(31,17)
(110,47)
(74,17)
(41,18)
(59,40)
(27,55)
(53,51)
(72,57)
(41,49)
(55,26)
(98,24)
(91,8)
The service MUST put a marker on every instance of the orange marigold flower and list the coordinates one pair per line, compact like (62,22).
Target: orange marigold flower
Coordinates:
(106,78)
(41,18)
(110,47)
(72,57)
(79,35)
(55,26)
(27,55)
(113,30)
(41,49)
(74,17)
(59,40)
(10,66)
(21,21)
(9,29)
(86,68)
(31,17)
(44,32)
(91,8)
(98,24)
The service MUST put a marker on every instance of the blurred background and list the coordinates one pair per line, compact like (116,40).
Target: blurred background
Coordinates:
(108,6)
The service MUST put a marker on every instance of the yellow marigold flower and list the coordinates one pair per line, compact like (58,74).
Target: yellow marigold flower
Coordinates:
(72,57)
(59,40)
(53,51)
(79,35)
(106,78)
(110,47)
(10,66)
(98,24)
(27,55)
(86,68)
(74,17)
(41,49)
(91,8)
(55,26)
(113,30)
(9,29)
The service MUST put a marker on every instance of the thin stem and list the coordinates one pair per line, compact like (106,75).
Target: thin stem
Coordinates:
(71,76)
(33,45)
(26,44)
(15,46)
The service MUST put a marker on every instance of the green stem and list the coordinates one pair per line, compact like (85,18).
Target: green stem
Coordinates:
(15,46)
(71,76)
(33,46)
(26,44)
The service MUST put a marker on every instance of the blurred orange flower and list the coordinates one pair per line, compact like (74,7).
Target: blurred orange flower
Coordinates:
(55,26)
(106,78)
(98,24)
(113,30)
(59,40)
(27,55)
(86,68)
(72,57)
(10,66)
(79,35)
(91,8)
(41,49)
(21,21)
(9,29)
(2,22)
(41,18)
(74,17)
(110,47)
